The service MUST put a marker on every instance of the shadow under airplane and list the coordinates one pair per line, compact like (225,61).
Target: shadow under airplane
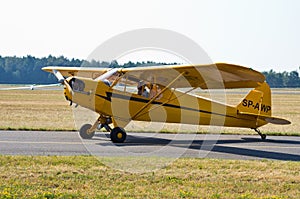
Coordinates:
(218,146)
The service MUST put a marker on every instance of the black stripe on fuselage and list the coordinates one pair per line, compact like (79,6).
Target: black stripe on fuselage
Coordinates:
(109,95)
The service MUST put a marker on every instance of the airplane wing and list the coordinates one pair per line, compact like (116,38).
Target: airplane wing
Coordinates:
(212,76)
(88,72)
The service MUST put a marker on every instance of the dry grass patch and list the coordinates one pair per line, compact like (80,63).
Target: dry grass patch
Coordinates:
(33,110)
(86,177)
(48,110)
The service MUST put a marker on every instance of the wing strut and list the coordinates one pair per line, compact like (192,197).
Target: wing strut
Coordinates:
(156,96)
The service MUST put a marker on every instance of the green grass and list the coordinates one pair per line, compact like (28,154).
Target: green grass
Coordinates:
(87,177)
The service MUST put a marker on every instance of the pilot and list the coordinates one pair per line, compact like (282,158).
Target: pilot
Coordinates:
(154,90)
(142,90)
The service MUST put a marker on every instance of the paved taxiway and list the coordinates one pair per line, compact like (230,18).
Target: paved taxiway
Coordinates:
(151,144)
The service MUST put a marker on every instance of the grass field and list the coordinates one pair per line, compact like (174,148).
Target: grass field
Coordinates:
(48,110)
(85,177)
(35,110)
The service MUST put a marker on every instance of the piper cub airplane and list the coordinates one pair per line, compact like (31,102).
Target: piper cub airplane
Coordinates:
(162,94)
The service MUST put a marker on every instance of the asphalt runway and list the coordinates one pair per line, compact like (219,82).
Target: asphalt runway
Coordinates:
(151,144)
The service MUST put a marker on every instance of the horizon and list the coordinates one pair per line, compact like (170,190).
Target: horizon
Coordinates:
(124,61)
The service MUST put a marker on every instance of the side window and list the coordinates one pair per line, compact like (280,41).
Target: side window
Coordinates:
(127,84)
(136,86)
(149,90)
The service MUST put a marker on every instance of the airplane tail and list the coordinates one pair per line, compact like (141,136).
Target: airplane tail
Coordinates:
(258,103)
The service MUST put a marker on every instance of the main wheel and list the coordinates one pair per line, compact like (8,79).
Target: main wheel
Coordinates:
(118,135)
(83,132)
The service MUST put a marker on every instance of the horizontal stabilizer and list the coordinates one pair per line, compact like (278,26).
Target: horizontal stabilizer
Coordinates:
(275,120)
(272,120)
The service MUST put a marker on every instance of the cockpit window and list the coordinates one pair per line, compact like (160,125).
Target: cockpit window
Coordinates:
(140,87)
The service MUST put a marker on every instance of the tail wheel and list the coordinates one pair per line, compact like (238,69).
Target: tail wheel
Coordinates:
(118,135)
(263,136)
(84,132)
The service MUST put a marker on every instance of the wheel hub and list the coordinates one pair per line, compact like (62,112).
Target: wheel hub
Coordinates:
(120,135)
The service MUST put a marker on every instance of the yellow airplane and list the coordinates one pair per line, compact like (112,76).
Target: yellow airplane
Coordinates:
(156,94)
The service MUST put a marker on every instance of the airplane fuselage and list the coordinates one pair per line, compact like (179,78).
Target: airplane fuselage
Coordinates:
(172,106)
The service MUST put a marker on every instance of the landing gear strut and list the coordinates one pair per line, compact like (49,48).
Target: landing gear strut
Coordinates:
(117,134)
(263,136)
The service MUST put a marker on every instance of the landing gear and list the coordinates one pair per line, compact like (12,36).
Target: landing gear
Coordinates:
(117,134)
(263,136)
(85,131)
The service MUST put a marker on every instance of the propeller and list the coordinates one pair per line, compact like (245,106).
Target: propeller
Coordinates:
(59,76)
(29,87)
(62,80)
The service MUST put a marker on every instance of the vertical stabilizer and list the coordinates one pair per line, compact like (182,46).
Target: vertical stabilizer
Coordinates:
(257,102)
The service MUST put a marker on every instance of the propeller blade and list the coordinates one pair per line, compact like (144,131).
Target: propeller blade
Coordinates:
(59,76)
(45,85)
(68,86)
(16,88)
(29,87)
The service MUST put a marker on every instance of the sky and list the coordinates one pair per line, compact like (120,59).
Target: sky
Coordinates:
(259,34)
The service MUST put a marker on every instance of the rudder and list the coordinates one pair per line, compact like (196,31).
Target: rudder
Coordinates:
(257,102)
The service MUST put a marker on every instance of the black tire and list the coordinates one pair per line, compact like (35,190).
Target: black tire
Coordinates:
(118,135)
(263,136)
(83,132)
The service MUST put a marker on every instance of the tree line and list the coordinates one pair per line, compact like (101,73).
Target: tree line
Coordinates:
(28,70)
(283,79)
